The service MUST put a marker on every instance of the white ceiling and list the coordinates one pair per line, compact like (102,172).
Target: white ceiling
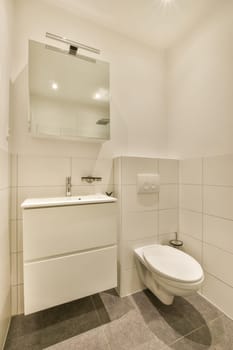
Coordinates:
(160,23)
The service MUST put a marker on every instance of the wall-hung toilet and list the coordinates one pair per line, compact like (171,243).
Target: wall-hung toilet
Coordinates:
(168,272)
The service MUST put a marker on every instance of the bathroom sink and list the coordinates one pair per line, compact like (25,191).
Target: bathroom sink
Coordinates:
(62,201)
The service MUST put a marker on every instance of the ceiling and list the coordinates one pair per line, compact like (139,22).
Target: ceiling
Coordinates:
(159,23)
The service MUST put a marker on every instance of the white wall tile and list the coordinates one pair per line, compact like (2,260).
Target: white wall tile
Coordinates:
(130,282)
(165,238)
(42,171)
(133,201)
(191,171)
(168,197)
(191,197)
(138,225)
(168,170)
(219,232)
(218,170)
(14,269)
(218,293)
(131,166)
(20,267)
(4,176)
(117,171)
(92,167)
(218,263)
(217,226)
(13,170)
(191,223)
(13,233)
(192,246)
(13,203)
(168,221)
(14,300)
(20,299)
(218,201)
(19,235)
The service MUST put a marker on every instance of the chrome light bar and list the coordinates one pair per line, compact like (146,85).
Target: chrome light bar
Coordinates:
(71,43)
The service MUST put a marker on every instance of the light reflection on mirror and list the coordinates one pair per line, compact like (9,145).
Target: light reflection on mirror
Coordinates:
(69,96)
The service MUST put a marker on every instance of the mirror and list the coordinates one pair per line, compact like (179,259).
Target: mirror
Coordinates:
(69,95)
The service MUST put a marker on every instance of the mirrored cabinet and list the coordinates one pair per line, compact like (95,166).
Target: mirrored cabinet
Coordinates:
(69,95)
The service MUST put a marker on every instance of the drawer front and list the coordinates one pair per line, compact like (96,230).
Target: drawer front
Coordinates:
(60,230)
(59,280)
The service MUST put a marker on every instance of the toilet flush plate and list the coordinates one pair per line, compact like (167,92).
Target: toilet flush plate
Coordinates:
(148,183)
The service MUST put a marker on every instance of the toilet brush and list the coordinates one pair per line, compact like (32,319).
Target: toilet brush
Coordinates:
(176,243)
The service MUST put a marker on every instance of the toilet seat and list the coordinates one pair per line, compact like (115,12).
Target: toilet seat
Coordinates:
(172,264)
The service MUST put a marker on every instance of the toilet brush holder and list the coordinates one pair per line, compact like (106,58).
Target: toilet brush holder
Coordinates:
(176,243)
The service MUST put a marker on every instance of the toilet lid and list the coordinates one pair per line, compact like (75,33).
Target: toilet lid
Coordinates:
(172,263)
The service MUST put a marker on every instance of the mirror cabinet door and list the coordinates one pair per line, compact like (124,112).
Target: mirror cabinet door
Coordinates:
(69,95)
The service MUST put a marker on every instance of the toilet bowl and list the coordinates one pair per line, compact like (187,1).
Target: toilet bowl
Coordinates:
(168,272)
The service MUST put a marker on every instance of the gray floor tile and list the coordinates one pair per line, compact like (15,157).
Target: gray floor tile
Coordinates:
(130,332)
(138,322)
(111,306)
(92,340)
(217,335)
(26,342)
(168,323)
(52,326)
(208,311)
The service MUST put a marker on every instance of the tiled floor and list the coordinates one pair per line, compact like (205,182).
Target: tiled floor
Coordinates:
(139,322)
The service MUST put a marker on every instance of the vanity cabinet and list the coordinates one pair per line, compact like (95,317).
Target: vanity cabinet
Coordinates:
(69,252)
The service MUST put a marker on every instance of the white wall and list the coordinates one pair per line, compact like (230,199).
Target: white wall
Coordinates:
(136,80)
(6,13)
(206,223)
(143,218)
(200,124)
(39,166)
(200,88)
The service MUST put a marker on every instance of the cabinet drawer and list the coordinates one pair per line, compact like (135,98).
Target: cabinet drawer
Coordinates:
(58,280)
(60,230)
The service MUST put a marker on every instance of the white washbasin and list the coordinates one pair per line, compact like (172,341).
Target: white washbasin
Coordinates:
(62,201)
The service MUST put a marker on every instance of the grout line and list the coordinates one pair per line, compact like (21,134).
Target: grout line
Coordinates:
(96,311)
(218,217)
(202,215)
(206,185)
(206,214)
(189,235)
(150,210)
(101,325)
(215,246)
(219,279)
(178,199)
(17,215)
(158,216)
(195,330)
(4,188)
(222,313)
(207,243)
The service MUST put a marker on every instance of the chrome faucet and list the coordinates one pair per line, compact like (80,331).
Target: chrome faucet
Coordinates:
(68,186)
